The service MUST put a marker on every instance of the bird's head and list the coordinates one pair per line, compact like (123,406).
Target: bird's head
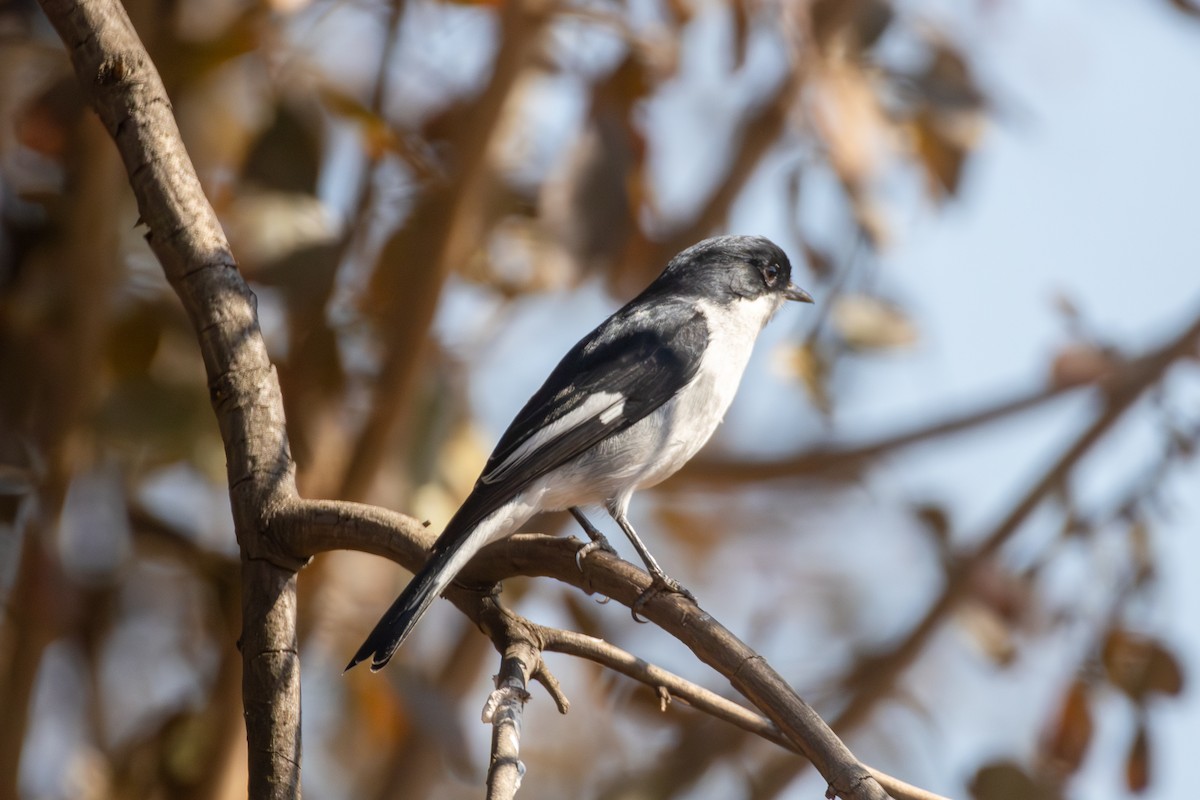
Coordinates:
(726,269)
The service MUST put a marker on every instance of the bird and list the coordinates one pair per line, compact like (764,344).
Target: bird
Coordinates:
(625,408)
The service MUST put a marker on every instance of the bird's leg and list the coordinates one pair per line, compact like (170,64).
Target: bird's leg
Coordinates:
(661,581)
(598,542)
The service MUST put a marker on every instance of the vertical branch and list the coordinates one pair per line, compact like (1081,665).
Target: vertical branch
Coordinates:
(271,679)
(126,91)
(503,710)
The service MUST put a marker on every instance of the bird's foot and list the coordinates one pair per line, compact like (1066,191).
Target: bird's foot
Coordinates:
(661,583)
(598,542)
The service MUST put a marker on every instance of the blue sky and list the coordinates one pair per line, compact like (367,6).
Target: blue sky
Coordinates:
(1086,186)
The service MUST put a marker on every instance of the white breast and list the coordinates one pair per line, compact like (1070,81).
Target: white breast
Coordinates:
(685,423)
(655,447)
(732,331)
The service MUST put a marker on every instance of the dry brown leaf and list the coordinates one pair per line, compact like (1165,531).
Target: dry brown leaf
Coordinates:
(940,156)
(1137,763)
(134,340)
(1140,666)
(1072,733)
(936,519)
(1183,6)
(989,631)
(806,363)
(819,262)
(850,122)
(377,707)
(1007,781)
(463,456)
(849,25)
(868,323)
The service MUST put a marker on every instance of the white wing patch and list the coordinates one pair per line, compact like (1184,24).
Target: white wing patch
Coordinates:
(613,411)
(606,406)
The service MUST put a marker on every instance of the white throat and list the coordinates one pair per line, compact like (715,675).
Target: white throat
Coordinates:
(732,331)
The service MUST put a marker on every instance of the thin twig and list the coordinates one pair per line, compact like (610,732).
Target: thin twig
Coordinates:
(841,457)
(696,696)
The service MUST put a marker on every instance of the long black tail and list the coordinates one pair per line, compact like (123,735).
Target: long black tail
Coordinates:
(395,626)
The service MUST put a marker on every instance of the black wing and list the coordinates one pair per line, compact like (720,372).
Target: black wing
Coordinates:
(622,371)
(615,376)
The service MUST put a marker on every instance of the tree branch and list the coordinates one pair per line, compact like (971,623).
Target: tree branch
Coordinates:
(716,646)
(503,710)
(119,80)
(552,557)
(705,700)
(834,458)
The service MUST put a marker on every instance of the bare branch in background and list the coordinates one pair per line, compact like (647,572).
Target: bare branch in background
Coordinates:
(447,224)
(876,677)
(836,459)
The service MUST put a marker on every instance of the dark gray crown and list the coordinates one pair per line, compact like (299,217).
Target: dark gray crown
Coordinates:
(726,268)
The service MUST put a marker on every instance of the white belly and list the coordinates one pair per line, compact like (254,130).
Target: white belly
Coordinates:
(655,447)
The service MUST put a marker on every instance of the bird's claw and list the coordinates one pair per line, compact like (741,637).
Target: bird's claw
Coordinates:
(660,583)
(597,543)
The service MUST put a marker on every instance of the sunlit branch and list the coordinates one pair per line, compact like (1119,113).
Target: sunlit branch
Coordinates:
(503,710)
(704,700)
(551,557)
(116,75)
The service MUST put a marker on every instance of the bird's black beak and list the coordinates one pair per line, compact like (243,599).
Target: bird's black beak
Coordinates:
(794,292)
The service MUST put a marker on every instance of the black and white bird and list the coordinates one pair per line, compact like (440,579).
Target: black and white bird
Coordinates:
(624,409)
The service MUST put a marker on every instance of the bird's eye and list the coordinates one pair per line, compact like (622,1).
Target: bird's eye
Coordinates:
(770,274)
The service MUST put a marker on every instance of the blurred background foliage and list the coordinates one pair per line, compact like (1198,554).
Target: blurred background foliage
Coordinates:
(432,200)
